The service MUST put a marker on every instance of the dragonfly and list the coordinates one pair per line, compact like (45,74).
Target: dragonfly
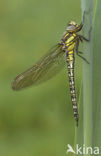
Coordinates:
(51,63)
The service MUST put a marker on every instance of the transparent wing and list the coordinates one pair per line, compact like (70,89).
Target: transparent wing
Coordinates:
(44,69)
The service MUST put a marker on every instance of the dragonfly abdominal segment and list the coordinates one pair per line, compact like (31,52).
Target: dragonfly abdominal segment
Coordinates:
(51,63)
(70,65)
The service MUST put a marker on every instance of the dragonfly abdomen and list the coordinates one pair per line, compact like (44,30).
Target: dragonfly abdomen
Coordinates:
(70,61)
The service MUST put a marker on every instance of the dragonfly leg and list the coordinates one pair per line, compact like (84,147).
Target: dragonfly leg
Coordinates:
(84,38)
(80,52)
(83,58)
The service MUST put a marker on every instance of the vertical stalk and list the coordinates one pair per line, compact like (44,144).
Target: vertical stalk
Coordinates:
(87,10)
(97,77)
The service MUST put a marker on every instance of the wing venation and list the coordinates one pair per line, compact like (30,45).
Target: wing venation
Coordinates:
(48,66)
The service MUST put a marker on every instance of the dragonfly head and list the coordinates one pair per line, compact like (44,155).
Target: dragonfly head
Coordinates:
(74,27)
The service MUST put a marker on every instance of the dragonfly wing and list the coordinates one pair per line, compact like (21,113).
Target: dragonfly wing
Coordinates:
(44,69)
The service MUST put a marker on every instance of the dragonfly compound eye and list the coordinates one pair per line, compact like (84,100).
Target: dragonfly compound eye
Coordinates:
(72,23)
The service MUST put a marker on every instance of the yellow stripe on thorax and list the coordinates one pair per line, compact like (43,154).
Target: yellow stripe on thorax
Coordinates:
(70,38)
(70,44)
(67,34)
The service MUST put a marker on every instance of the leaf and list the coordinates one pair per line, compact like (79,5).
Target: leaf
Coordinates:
(96,98)
(84,132)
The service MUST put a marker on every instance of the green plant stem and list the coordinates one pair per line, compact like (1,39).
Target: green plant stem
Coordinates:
(97,77)
(87,73)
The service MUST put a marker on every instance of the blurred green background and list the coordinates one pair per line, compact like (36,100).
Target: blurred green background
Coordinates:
(38,120)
